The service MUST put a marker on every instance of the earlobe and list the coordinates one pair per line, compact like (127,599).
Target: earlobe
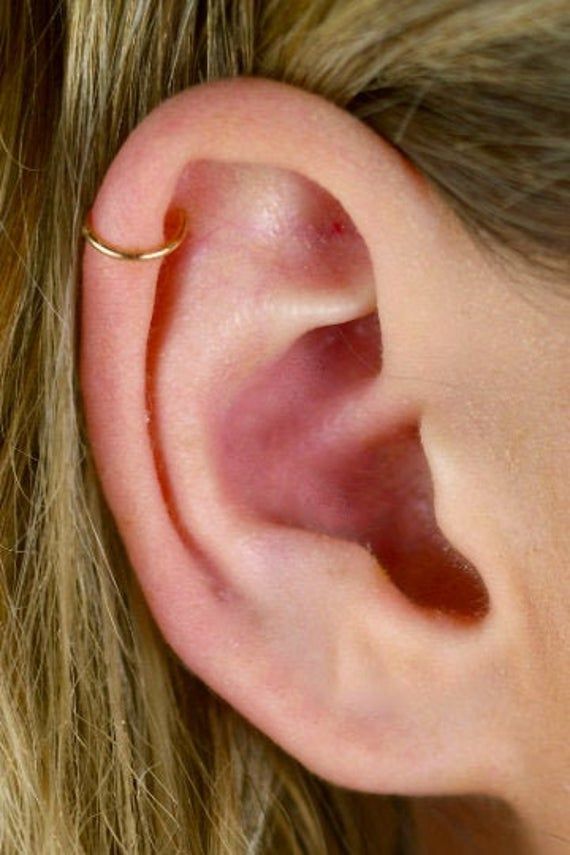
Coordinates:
(254,449)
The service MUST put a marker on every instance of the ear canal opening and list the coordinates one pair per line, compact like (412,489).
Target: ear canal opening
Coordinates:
(287,454)
(406,540)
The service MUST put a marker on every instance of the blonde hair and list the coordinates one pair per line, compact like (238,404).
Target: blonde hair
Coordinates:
(108,743)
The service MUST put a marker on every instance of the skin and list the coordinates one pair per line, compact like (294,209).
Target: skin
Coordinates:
(284,491)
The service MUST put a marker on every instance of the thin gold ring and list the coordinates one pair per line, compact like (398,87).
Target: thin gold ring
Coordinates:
(134,254)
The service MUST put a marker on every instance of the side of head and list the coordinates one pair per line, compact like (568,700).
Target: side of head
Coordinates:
(328,429)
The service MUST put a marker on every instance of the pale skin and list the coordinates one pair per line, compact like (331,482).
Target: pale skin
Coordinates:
(232,454)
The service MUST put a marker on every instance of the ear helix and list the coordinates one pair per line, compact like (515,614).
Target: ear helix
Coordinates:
(113,251)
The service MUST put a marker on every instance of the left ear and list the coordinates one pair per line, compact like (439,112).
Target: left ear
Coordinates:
(260,447)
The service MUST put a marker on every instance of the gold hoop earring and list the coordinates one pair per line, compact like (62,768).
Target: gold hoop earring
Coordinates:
(134,254)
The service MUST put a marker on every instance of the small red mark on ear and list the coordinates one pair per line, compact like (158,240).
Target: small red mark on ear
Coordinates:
(337,227)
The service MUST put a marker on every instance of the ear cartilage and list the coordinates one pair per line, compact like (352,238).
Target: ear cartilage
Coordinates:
(113,251)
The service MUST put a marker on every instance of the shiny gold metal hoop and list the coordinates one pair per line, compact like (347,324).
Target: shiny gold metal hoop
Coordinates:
(135,254)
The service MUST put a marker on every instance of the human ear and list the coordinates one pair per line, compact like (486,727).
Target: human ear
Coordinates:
(260,446)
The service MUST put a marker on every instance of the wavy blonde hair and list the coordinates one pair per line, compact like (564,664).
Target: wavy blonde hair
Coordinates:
(107,743)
